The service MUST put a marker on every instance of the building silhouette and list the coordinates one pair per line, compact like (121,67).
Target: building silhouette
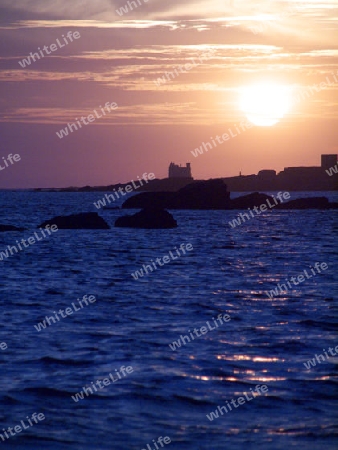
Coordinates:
(289,179)
(177,171)
(328,161)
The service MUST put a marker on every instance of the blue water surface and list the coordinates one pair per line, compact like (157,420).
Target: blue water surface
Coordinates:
(169,393)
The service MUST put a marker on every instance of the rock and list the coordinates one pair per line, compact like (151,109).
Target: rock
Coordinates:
(251,200)
(159,200)
(204,195)
(211,194)
(88,221)
(257,199)
(306,203)
(150,218)
(10,228)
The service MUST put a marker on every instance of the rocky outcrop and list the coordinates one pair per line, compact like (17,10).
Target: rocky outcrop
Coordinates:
(213,195)
(10,228)
(149,199)
(257,199)
(251,200)
(306,203)
(85,221)
(148,218)
(203,195)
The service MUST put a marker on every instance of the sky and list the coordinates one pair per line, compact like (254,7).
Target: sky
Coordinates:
(205,52)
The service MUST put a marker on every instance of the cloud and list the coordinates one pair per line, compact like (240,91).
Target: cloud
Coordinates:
(105,10)
(116,58)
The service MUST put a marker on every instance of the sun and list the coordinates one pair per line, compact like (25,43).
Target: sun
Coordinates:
(265,104)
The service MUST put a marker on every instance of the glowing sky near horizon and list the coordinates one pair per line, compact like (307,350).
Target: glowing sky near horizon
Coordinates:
(119,58)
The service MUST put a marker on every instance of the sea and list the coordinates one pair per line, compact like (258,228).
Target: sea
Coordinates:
(166,399)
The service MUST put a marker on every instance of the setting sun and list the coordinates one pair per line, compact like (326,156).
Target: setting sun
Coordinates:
(264,104)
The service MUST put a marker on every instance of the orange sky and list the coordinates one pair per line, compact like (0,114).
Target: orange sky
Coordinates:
(118,58)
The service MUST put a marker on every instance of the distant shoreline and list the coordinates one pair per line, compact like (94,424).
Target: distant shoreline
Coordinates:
(293,182)
(110,189)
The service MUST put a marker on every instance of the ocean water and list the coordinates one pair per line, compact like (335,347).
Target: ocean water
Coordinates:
(168,393)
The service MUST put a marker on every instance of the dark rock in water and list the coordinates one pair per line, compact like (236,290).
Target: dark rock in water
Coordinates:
(251,200)
(306,203)
(10,228)
(150,218)
(159,200)
(89,221)
(211,194)
(257,199)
